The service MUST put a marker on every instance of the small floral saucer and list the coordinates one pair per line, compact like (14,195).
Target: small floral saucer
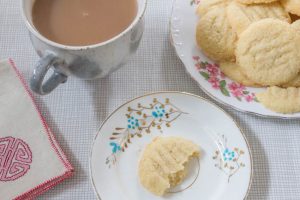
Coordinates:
(205,71)
(224,170)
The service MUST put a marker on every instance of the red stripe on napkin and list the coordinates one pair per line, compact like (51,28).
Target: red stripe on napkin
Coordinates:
(41,188)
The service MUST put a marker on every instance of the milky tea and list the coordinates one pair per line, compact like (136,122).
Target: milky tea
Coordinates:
(82,22)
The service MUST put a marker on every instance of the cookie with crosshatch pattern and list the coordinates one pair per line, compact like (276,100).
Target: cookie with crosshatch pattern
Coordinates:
(207,5)
(215,36)
(296,25)
(281,100)
(233,71)
(293,83)
(163,162)
(255,1)
(268,52)
(292,6)
(240,16)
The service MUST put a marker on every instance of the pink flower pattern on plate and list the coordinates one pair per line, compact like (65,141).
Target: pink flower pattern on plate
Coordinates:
(214,82)
(213,69)
(236,89)
(250,97)
(212,73)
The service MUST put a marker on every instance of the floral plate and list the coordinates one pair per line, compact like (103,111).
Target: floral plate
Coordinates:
(224,170)
(206,72)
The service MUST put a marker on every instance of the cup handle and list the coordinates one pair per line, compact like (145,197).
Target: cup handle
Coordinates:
(42,67)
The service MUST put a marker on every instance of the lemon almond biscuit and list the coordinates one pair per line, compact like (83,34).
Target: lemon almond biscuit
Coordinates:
(281,100)
(215,36)
(234,72)
(207,5)
(268,52)
(163,162)
(296,25)
(293,83)
(240,16)
(255,1)
(292,6)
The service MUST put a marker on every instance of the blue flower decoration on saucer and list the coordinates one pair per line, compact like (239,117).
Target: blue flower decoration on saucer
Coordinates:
(228,155)
(159,112)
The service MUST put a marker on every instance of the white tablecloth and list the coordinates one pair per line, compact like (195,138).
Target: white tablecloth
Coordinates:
(76,109)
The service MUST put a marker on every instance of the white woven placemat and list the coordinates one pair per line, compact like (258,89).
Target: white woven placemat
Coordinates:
(75,110)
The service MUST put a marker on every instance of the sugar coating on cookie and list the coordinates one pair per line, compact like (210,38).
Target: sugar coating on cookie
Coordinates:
(292,6)
(281,100)
(215,36)
(240,16)
(255,1)
(268,52)
(207,5)
(234,72)
(163,162)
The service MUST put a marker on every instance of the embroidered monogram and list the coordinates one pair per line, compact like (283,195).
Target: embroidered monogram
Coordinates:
(15,158)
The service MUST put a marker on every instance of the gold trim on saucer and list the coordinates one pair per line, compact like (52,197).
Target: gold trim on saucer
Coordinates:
(173,92)
(191,184)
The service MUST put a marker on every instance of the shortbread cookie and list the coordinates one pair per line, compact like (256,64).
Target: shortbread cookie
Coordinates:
(207,5)
(163,162)
(240,16)
(255,1)
(292,6)
(268,52)
(281,100)
(215,36)
(293,83)
(233,71)
(296,25)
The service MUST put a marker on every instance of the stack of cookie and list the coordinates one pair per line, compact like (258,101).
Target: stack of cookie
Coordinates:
(257,44)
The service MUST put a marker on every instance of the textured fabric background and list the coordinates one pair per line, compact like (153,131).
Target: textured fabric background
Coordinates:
(76,109)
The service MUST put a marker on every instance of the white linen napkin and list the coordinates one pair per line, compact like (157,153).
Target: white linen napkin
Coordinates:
(31,162)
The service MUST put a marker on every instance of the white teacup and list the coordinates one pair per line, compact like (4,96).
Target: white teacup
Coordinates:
(85,62)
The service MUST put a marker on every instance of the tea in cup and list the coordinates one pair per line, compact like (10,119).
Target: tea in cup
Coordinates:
(88,39)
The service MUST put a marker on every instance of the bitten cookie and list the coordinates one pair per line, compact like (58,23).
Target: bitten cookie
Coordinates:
(207,5)
(233,71)
(215,36)
(163,162)
(240,16)
(281,100)
(255,1)
(268,52)
(292,6)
